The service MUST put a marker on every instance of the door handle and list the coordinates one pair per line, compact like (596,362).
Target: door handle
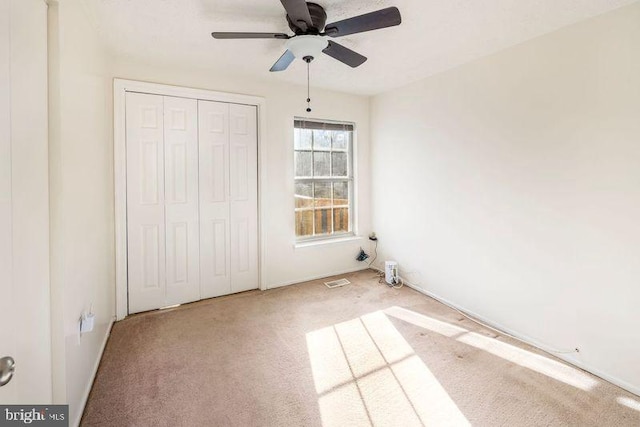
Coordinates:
(7,368)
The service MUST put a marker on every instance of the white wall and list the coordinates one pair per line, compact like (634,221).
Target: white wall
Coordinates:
(81,185)
(24,198)
(284,263)
(510,187)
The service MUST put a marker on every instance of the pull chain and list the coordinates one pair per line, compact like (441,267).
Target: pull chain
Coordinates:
(308,60)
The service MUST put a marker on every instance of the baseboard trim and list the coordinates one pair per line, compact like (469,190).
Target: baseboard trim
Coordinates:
(525,339)
(87,390)
(528,340)
(316,277)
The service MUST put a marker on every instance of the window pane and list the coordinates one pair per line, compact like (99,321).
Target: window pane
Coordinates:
(323,221)
(302,139)
(321,166)
(341,220)
(323,194)
(303,163)
(340,193)
(321,140)
(339,164)
(340,140)
(304,223)
(304,195)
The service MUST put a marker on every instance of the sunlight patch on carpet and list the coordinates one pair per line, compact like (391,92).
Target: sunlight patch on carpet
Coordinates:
(365,373)
(629,403)
(535,362)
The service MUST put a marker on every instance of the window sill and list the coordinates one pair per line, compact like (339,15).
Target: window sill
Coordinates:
(329,241)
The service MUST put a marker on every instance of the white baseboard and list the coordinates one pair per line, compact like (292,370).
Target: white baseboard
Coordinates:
(76,423)
(316,277)
(526,339)
(531,341)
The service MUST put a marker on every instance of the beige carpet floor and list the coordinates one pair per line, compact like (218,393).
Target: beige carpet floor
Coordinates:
(359,355)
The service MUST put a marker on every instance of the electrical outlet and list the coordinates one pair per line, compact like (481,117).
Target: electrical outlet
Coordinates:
(86,322)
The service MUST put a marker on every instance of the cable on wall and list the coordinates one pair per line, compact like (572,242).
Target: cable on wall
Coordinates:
(375,252)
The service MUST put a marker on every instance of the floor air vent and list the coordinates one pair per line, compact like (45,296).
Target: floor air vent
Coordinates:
(337,283)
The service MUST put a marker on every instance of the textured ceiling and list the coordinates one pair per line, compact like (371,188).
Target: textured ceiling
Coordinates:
(435,35)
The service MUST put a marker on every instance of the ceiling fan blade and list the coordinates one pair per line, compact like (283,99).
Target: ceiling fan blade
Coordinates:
(249,36)
(284,61)
(383,18)
(298,13)
(345,55)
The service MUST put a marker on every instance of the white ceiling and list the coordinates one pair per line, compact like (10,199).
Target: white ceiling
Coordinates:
(435,35)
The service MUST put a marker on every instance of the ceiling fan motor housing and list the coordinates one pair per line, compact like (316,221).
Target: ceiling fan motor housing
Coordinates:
(318,18)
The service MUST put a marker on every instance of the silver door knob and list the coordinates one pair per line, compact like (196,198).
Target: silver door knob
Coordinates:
(7,367)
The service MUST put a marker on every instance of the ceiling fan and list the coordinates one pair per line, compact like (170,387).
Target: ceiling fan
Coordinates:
(307,20)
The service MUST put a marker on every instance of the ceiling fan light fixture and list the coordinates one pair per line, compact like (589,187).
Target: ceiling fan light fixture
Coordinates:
(307,45)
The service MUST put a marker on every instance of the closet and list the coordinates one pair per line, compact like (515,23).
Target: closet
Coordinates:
(192,210)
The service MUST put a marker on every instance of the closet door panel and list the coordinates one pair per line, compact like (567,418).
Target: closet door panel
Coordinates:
(181,200)
(215,272)
(145,202)
(243,177)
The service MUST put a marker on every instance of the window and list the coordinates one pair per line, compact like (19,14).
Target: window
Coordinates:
(323,179)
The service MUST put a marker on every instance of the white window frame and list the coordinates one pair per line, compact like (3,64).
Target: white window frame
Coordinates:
(350,179)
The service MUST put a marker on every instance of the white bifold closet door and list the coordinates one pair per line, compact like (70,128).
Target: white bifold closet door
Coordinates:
(162,201)
(228,198)
(192,226)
